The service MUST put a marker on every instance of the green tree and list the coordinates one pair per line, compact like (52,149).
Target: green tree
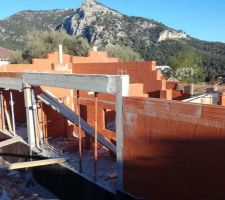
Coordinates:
(16,58)
(185,67)
(123,53)
(75,46)
(40,43)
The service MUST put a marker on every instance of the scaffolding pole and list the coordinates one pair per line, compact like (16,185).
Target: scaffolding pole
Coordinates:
(79,130)
(96,136)
(2,111)
(12,113)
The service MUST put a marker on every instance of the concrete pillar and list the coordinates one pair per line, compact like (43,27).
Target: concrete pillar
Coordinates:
(95,48)
(30,116)
(60,55)
(119,133)
(192,89)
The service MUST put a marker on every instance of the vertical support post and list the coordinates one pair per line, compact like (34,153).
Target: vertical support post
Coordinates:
(119,133)
(2,111)
(192,89)
(96,136)
(43,122)
(60,54)
(29,115)
(38,127)
(34,108)
(12,113)
(79,130)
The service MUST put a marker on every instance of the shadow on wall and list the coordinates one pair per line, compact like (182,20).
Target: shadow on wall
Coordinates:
(176,169)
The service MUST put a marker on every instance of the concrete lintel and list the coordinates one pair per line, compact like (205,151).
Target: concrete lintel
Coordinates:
(11,83)
(85,82)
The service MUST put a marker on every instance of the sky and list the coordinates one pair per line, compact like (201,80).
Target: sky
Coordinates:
(202,19)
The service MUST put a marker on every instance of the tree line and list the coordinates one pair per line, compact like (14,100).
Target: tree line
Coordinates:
(40,43)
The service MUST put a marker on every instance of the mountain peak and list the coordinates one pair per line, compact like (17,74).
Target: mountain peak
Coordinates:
(89,1)
(92,7)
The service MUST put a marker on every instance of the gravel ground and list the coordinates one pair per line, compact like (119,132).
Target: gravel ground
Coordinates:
(16,184)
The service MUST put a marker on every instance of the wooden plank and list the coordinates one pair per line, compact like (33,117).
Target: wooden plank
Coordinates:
(32,164)
(10,141)
(8,120)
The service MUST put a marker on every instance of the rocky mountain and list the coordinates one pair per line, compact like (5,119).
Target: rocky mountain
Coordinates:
(102,26)
(13,29)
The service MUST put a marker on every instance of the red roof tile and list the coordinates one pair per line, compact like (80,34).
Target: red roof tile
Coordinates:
(5,54)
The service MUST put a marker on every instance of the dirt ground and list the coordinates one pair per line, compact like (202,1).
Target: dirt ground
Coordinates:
(16,185)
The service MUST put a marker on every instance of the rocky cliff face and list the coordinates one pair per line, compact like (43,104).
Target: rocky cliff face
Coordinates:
(102,25)
(171,35)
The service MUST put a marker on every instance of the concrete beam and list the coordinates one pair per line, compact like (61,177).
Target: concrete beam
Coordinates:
(11,83)
(85,82)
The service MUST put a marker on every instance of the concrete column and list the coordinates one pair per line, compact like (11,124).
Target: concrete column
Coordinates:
(192,89)
(30,116)
(119,134)
(60,55)
(95,48)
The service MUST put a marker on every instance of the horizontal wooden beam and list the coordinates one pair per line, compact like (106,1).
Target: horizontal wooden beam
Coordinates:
(30,164)
(10,141)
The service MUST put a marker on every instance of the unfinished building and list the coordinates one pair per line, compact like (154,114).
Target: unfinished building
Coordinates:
(142,138)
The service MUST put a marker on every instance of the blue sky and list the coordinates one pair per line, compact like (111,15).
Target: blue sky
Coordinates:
(203,19)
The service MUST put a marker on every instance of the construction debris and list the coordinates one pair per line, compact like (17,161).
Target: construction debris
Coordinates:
(14,185)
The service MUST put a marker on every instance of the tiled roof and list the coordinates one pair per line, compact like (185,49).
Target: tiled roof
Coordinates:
(5,54)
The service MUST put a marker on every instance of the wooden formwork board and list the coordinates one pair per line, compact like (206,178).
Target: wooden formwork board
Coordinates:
(10,141)
(31,164)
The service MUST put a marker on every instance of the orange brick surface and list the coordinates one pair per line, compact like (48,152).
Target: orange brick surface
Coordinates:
(173,150)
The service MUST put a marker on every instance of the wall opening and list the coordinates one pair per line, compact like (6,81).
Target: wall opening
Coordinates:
(109,119)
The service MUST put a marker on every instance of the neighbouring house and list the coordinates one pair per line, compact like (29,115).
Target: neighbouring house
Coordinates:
(5,55)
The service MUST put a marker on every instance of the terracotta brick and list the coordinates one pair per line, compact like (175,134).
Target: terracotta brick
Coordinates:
(186,150)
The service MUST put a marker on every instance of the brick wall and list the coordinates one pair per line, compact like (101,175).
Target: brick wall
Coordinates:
(95,57)
(176,94)
(105,101)
(139,72)
(173,150)
(222,98)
